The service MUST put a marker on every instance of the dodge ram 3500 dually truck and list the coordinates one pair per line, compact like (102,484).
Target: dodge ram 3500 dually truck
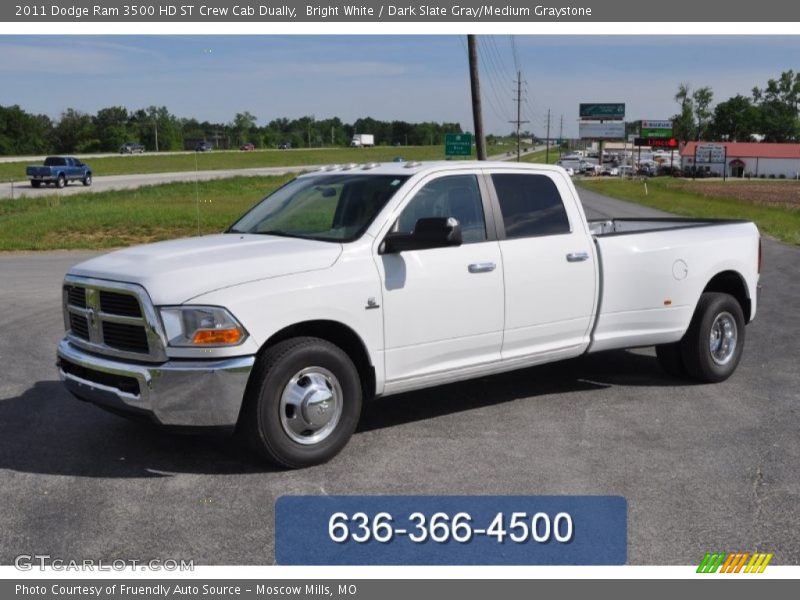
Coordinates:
(358,281)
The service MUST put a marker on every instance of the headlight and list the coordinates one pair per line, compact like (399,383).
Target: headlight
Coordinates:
(205,326)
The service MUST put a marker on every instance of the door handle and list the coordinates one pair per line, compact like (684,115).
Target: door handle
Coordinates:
(482,267)
(577,256)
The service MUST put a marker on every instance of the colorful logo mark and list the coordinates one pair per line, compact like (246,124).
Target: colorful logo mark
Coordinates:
(734,562)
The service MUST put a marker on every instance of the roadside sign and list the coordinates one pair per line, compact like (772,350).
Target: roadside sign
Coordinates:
(656,129)
(649,124)
(657,142)
(611,111)
(590,130)
(709,153)
(458,144)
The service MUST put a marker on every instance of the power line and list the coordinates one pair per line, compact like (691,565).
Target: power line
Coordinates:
(497,107)
(519,120)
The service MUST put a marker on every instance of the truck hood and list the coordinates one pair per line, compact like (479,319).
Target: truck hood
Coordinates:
(176,271)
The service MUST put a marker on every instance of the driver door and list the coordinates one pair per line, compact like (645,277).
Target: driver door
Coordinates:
(443,307)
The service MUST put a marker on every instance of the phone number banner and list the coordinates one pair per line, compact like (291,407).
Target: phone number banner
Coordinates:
(451,530)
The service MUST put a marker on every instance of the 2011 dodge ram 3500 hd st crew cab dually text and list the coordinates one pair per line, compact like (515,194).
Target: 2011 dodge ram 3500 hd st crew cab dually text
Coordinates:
(362,281)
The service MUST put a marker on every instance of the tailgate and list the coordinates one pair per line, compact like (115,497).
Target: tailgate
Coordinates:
(39,171)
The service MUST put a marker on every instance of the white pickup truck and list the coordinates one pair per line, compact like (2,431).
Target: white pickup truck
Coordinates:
(361,281)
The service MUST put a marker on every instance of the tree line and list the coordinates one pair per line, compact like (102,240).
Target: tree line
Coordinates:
(158,129)
(769,114)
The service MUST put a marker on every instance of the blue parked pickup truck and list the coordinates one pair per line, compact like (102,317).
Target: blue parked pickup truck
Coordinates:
(59,170)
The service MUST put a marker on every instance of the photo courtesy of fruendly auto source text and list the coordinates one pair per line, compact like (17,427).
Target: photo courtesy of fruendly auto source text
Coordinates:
(373,300)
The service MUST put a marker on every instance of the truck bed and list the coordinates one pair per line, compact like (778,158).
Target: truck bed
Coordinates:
(652,272)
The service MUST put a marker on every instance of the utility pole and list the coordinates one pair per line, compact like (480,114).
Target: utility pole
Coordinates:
(477,117)
(155,126)
(560,136)
(332,142)
(547,141)
(519,120)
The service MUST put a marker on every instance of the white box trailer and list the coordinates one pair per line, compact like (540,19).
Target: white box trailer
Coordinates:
(362,140)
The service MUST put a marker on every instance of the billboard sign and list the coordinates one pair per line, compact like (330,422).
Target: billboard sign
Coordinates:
(709,153)
(611,111)
(613,130)
(656,129)
(668,143)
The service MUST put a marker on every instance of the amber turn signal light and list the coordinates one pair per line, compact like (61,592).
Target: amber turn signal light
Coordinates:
(204,337)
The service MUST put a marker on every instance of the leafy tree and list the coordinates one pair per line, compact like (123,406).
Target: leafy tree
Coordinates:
(702,101)
(111,126)
(24,133)
(157,129)
(244,123)
(75,132)
(734,120)
(683,123)
(778,108)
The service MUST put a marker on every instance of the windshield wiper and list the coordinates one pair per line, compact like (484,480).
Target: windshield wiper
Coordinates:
(279,233)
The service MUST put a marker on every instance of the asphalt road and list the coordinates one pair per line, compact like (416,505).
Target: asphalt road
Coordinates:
(121,182)
(703,467)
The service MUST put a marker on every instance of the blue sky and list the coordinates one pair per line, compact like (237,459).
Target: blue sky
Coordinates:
(411,78)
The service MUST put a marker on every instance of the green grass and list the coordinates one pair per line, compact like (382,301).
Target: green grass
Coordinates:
(209,161)
(541,157)
(666,194)
(125,217)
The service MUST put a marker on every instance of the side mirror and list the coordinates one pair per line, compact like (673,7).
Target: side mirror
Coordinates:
(434,232)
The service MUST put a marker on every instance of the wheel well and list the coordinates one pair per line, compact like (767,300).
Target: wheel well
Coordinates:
(730,282)
(340,335)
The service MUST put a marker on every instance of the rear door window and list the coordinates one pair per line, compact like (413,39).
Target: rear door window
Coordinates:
(530,204)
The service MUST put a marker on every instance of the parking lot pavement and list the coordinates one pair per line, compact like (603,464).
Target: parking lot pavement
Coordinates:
(703,467)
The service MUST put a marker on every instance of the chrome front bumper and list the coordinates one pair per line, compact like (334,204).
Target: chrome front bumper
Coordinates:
(178,393)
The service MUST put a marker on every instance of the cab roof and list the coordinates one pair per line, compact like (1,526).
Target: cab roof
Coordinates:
(407,168)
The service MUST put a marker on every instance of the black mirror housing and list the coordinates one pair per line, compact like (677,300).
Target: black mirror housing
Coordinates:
(433,232)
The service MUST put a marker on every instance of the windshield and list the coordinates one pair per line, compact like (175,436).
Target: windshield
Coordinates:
(335,208)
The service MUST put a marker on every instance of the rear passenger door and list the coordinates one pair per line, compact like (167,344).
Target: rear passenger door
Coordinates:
(548,264)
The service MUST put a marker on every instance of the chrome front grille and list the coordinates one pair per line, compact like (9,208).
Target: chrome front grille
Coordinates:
(114,319)
(79,326)
(130,338)
(115,303)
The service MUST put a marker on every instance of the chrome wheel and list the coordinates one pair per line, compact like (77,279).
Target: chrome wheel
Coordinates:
(311,405)
(723,338)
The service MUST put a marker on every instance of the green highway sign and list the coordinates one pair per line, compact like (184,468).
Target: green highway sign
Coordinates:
(458,144)
(614,110)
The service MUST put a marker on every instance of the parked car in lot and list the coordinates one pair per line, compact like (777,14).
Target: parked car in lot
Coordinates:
(609,171)
(203,147)
(59,171)
(131,148)
(360,281)
(248,147)
(285,146)
(589,169)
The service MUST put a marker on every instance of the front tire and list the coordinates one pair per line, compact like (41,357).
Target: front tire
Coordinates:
(713,344)
(61,181)
(303,402)
(87,181)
